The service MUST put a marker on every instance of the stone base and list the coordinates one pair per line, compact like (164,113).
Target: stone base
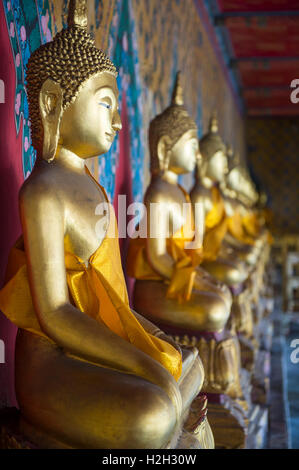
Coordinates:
(198,424)
(261,378)
(262,366)
(258,427)
(248,350)
(228,422)
(10,437)
(265,333)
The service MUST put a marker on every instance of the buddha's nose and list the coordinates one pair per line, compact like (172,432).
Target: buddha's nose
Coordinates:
(117,125)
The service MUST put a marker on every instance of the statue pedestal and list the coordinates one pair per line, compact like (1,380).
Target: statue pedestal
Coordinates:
(197,433)
(227,405)
(258,427)
(10,436)
(228,422)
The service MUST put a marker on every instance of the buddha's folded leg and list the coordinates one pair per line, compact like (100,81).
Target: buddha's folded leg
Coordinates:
(192,378)
(227,271)
(87,406)
(205,311)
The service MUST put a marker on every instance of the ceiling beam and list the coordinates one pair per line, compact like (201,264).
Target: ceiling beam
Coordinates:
(234,61)
(281,111)
(219,19)
(265,87)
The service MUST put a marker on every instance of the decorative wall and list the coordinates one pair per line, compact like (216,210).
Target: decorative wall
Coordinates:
(149,41)
(273,150)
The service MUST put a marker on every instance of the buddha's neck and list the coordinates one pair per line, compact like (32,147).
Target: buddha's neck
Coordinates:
(169,177)
(208,182)
(70,160)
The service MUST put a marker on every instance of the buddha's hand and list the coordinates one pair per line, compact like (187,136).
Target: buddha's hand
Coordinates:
(205,281)
(161,335)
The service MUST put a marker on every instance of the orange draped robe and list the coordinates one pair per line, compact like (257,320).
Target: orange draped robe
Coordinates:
(98,290)
(218,224)
(185,261)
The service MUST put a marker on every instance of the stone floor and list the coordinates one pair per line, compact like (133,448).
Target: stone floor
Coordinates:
(293,380)
(284,392)
(279,433)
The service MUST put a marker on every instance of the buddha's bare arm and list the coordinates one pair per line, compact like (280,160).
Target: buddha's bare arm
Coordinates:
(42,216)
(156,248)
(199,223)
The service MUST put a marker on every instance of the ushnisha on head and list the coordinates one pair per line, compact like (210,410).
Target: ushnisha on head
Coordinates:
(57,72)
(173,137)
(238,179)
(213,152)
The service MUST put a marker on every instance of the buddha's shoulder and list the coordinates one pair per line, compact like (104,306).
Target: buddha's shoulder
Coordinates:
(159,191)
(41,184)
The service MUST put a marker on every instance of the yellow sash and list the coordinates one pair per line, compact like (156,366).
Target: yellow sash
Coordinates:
(98,290)
(186,261)
(251,224)
(236,229)
(215,227)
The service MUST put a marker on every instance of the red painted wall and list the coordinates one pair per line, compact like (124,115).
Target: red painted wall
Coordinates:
(11,178)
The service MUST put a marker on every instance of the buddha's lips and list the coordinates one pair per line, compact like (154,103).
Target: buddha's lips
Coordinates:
(110,136)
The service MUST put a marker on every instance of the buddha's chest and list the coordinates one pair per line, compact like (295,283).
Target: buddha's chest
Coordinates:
(230,206)
(86,216)
(178,211)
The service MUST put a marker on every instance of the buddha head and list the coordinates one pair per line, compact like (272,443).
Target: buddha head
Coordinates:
(72,92)
(173,137)
(235,177)
(238,179)
(213,152)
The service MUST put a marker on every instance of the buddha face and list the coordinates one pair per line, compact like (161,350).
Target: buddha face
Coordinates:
(234,179)
(217,166)
(89,124)
(184,153)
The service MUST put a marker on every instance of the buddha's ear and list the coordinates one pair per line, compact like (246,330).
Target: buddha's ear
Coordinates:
(199,165)
(164,152)
(50,105)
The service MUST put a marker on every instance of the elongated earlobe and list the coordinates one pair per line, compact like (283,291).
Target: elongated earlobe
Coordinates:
(50,105)
(164,152)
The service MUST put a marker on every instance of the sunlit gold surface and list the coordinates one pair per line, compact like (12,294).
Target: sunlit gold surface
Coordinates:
(80,383)
(151,261)
(212,169)
(174,151)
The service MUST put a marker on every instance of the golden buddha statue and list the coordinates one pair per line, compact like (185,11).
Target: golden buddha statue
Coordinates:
(211,170)
(243,198)
(228,252)
(90,372)
(223,229)
(171,288)
(159,262)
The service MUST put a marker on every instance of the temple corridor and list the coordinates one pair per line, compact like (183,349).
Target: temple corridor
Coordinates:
(149,252)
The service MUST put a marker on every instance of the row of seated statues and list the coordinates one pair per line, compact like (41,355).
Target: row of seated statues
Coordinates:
(91,372)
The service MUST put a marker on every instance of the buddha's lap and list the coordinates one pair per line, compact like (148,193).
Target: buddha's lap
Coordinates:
(74,398)
(227,271)
(205,311)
